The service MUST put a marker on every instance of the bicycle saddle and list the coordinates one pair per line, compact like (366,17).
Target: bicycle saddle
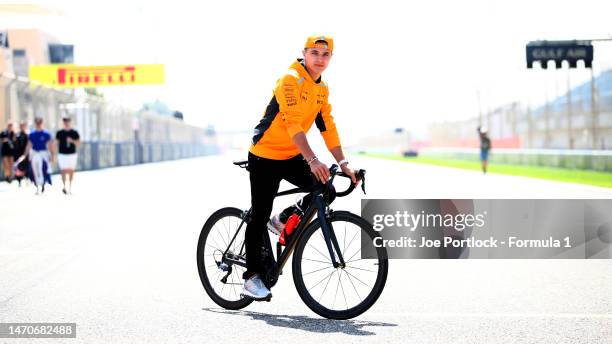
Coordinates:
(241,163)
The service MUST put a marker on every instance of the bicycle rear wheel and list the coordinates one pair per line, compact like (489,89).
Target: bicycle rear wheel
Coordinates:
(343,292)
(222,281)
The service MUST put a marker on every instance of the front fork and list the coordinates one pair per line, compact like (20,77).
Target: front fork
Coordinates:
(328,232)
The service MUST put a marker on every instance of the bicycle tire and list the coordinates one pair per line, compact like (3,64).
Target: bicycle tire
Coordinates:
(208,287)
(378,286)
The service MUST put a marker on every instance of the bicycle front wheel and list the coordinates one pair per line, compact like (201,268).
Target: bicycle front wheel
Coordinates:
(342,292)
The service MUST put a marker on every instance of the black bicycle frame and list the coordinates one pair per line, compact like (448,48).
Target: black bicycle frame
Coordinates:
(317,206)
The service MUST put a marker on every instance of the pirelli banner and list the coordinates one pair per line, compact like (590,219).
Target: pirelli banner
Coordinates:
(73,76)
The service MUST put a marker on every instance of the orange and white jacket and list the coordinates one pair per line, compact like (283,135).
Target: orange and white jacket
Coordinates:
(297,102)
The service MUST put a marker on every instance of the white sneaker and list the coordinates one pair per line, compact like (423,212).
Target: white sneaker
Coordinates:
(275,225)
(255,289)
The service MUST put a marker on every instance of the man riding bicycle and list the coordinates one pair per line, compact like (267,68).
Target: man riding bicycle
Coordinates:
(280,150)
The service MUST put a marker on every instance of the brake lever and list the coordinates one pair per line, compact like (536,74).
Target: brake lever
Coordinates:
(362,172)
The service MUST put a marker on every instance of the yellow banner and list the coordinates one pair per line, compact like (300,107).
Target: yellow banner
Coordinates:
(71,76)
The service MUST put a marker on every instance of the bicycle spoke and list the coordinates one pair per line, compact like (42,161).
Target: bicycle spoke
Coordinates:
(214,248)
(234,248)
(367,285)
(336,294)
(314,260)
(232,282)
(354,260)
(219,233)
(342,287)
(358,250)
(214,241)
(322,280)
(220,236)
(344,240)
(227,231)
(353,284)
(327,267)
(352,267)
(350,242)
(324,256)
(326,284)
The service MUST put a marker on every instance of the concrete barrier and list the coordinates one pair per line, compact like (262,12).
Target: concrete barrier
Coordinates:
(96,155)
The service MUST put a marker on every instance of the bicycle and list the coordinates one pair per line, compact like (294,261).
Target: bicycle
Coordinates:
(221,253)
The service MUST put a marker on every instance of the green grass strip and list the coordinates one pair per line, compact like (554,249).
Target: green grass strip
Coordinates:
(549,173)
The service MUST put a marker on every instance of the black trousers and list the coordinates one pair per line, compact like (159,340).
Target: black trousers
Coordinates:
(265,176)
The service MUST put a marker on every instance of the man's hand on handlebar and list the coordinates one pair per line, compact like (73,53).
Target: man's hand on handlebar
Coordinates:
(351,173)
(320,171)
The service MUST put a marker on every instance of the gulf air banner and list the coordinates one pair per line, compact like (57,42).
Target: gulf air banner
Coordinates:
(72,76)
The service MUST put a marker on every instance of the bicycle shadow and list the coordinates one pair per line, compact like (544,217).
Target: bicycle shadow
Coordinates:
(305,323)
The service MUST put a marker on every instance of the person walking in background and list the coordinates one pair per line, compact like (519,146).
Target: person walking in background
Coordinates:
(67,141)
(7,137)
(21,142)
(485,147)
(41,152)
